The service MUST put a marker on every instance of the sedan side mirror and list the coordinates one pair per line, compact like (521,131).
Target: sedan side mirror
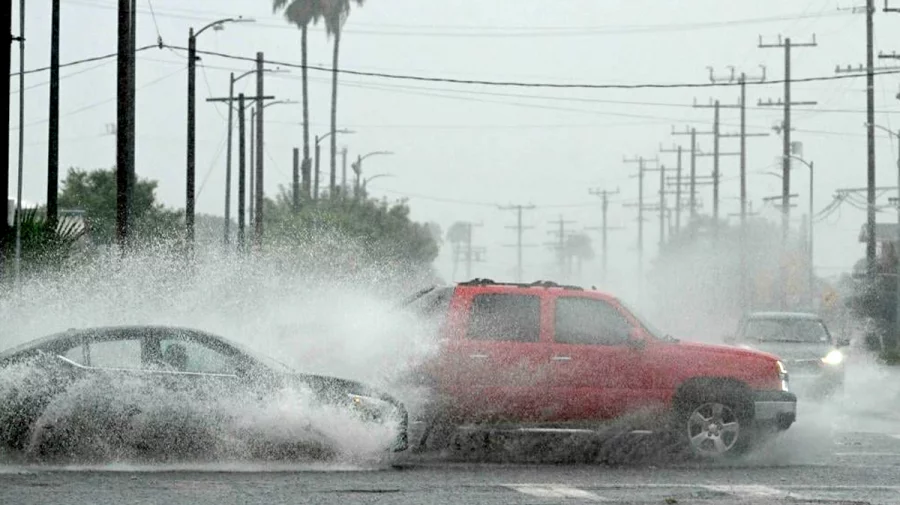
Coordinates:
(843,342)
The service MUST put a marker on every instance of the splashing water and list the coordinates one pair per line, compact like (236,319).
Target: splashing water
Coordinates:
(273,303)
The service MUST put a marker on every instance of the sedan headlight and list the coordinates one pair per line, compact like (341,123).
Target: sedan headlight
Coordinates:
(833,358)
(372,408)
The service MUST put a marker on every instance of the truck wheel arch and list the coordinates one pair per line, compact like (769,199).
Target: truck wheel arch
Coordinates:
(698,389)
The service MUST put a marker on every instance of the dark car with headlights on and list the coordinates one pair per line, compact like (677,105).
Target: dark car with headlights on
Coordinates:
(813,357)
(195,367)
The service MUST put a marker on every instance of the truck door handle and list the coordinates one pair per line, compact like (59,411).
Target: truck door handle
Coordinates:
(561,358)
(478,356)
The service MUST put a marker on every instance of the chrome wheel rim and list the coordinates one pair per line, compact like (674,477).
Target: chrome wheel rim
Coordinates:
(713,429)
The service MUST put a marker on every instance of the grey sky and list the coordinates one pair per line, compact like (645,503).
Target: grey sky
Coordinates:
(463,149)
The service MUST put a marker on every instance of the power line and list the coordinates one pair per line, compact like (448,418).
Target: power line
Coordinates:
(97,104)
(521,84)
(84,60)
(491,31)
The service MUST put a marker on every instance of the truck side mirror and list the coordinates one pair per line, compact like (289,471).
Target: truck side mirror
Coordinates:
(636,339)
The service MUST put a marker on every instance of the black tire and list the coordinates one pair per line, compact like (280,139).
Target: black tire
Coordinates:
(714,425)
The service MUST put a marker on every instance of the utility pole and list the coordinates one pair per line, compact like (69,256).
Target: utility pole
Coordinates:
(242,106)
(227,230)
(520,228)
(124,146)
(295,182)
(786,126)
(191,141)
(716,179)
(742,135)
(661,207)
(258,229)
(695,151)
(242,170)
(251,172)
(786,129)
(560,246)
(717,135)
(344,172)
(642,167)
(870,120)
(677,150)
(4,167)
(53,125)
(604,196)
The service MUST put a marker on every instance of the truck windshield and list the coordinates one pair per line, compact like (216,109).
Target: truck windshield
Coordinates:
(643,322)
(430,303)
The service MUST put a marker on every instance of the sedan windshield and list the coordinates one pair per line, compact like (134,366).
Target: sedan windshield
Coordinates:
(787,330)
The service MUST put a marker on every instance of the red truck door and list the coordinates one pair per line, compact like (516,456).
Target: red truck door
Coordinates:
(596,373)
(499,358)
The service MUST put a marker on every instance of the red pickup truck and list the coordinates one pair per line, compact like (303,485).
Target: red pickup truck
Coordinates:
(545,356)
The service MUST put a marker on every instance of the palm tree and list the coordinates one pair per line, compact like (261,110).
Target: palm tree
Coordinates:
(578,246)
(458,234)
(302,13)
(335,13)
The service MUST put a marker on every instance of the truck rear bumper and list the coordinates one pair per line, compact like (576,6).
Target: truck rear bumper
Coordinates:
(775,407)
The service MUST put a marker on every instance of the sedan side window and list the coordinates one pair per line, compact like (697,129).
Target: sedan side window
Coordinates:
(184,355)
(77,354)
(589,321)
(113,353)
(504,317)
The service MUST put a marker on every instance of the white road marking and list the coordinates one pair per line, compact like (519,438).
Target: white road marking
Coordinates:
(551,491)
(755,490)
(868,454)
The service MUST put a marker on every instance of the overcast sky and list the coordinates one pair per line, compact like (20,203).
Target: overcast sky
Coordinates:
(463,149)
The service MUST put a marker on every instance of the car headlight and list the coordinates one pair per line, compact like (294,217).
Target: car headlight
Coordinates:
(783,376)
(374,408)
(833,358)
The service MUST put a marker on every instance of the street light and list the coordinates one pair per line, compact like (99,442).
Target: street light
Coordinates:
(192,71)
(255,143)
(357,167)
(319,139)
(367,180)
(812,171)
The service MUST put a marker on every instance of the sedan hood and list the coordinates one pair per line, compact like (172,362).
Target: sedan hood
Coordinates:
(791,350)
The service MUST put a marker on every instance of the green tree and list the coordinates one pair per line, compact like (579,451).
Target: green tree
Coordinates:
(302,13)
(360,234)
(94,192)
(578,246)
(876,301)
(43,246)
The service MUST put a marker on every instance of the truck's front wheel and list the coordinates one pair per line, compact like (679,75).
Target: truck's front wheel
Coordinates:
(714,426)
